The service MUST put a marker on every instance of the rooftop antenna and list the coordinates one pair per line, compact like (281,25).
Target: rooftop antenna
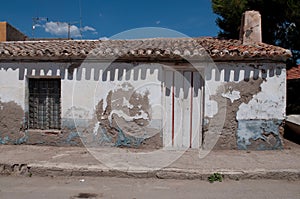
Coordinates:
(36,22)
(80,19)
(69,28)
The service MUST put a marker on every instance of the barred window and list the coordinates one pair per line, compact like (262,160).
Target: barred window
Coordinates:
(44,103)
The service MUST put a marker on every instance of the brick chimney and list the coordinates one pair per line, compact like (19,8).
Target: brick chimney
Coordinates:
(251,27)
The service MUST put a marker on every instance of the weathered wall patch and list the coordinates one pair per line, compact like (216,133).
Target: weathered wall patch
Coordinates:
(259,134)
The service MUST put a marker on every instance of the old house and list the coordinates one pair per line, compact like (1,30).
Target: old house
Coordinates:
(148,93)
(293,96)
(292,128)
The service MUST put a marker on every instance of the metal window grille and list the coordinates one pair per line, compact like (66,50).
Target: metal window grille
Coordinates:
(44,103)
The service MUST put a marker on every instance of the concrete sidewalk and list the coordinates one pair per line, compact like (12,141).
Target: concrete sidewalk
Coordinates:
(75,161)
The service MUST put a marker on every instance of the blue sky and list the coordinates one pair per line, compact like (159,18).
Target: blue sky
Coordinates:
(102,18)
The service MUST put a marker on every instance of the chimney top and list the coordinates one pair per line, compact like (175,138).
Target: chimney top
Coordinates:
(250,31)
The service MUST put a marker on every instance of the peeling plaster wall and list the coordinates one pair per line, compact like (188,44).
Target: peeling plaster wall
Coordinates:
(83,86)
(104,108)
(254,97)
(259,134)
(14,104)
(244,104)
(14,90)
(269,103)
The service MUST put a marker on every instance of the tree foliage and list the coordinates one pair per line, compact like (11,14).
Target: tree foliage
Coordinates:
(280,21)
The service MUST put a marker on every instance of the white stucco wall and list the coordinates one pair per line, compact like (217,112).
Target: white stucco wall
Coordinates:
(81,92)
(87,93)
(11,88)
(269,103)
(80,95)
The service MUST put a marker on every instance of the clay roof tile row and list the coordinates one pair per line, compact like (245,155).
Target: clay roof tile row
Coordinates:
(158,48)
(293,73)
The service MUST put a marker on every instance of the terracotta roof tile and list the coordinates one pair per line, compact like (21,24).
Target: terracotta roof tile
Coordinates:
(293,73)
(155,48)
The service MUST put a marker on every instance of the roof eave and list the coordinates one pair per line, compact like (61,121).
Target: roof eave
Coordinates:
(173,58)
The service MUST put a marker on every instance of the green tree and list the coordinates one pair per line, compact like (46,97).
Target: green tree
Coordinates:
(280,21)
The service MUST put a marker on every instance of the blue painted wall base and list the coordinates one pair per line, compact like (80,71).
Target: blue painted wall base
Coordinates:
(259,135)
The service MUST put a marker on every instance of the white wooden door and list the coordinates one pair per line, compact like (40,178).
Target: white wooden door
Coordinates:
(183,109)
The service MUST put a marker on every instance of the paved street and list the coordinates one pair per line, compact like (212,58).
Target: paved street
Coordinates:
(66,163)
(103,187)
(77,161)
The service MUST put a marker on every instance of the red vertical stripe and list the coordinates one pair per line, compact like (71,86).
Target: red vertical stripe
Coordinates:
(173,116)
(191,110)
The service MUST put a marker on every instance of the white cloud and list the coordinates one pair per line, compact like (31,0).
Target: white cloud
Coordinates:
(157,22)
(88,28)
(104,38)
(62,29)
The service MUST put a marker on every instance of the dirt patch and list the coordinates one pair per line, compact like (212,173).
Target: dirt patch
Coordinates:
(11,122)
(247,89)
(154,142)
(49,138)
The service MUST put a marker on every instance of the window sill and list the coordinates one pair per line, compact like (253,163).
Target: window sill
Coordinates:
(48,131)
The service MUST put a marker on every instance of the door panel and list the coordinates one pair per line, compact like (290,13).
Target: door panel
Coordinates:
(183,104)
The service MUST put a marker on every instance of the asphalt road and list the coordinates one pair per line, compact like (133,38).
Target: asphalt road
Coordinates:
(91,187)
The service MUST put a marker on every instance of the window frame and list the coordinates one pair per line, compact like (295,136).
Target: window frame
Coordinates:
(53,118)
